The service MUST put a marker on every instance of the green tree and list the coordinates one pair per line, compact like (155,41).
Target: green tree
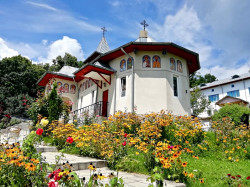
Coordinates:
(18,77)
(196,79)
(51,106)
(233,111)
(198,101)
(67,60)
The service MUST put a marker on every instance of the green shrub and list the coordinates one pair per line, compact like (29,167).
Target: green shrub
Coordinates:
(233,111)
(51,106)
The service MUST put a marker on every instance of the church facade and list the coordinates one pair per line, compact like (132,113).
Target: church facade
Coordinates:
(142,76)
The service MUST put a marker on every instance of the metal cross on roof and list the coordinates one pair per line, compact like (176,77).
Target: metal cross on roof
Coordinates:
(144,24)
(103,30)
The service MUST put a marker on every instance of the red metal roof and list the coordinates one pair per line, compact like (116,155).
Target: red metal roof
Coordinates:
(191,57)
(47,76)
(88,68)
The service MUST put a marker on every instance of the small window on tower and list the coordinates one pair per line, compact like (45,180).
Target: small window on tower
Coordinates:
(123,86)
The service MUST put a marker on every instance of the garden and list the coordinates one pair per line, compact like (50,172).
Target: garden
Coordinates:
(160,145)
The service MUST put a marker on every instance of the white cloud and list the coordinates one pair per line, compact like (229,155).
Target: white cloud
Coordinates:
(114,3)
(185,29)
(44,42)
(222,72)
(60,47)
(5,51)
(42,5)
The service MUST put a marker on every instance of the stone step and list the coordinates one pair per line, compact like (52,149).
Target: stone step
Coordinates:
(130,179)
(41,149)
(78,163)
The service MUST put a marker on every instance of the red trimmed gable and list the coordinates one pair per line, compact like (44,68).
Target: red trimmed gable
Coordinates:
(45,79)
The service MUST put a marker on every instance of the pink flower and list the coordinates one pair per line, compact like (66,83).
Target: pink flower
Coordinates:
(125,135)
(124,143)
(70,140)
(170,147)
(39,131)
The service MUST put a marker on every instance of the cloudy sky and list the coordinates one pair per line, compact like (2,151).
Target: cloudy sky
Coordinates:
(218,30)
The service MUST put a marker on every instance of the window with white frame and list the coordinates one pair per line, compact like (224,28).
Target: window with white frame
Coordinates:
(234,93)
(123,86)
(213,98)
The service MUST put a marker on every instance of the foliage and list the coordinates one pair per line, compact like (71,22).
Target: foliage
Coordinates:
(234,141)
(67,60)
(159,138)
(51,106)
(196,79)
(233,111)
(18,169)
(6,122)
(198,101)
(18,77)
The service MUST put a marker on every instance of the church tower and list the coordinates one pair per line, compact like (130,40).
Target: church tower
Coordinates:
(103,46)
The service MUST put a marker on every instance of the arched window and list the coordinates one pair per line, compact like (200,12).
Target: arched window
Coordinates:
(156,61)
(172,64)
(122,65)
(129,63)
(179,66)
(59,85)
(146,63)
(72,89)
(66,88)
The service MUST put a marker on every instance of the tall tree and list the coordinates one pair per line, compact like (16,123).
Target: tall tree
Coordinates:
(18,77)
(199,102)
(197,79)
(67,60)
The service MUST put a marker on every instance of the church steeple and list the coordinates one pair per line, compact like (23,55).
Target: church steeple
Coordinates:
(103,46)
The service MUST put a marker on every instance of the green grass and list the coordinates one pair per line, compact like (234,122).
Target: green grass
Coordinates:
(214,171)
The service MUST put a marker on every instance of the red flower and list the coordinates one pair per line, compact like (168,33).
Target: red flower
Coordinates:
(229,175)
(248,177)
(238,176)
(125,135)
(70,140)
(170,147)
(124,143)
(39,131)
(52,184)
(8,116)
(233,177)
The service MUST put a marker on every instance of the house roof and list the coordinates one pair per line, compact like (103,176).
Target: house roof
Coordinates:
(49,75)
(226,81)
(229,99)
(191,57)
(88,68)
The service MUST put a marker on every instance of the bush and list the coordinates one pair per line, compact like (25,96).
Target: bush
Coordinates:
(51,106)
(233,111)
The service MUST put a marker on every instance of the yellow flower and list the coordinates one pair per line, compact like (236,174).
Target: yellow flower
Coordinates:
(184,164)
(30,167)
(191,175)
(137,153)
(44,122)
(229,158)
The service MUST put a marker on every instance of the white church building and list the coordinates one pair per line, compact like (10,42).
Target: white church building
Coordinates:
(142,76)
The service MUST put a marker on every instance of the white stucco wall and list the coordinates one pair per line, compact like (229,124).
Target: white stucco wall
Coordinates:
(153,87)
(72,97)
(221,90)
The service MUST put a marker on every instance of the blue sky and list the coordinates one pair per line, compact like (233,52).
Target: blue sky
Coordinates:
(41,30)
